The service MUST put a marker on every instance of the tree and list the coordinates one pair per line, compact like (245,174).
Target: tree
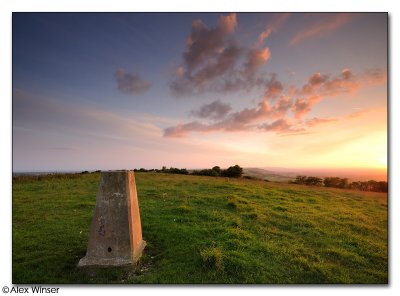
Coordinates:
(233,171)
(335,182)
(217,170)
(300,180)
(313,181)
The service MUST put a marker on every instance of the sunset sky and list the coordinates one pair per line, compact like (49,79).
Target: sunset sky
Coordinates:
(194,90)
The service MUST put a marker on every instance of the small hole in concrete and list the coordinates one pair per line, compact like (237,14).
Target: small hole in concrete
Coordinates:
(109,250)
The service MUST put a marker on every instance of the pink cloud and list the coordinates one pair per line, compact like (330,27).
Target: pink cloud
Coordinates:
(322,27)
(273,87)
(276,104)
(262,37)
(324,85)
(302,106)
(237,121)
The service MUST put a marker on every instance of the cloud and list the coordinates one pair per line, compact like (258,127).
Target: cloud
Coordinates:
(320,86)
(327,24)
(302,106)
(278,20)
(314,81)
(206,43)
(131,83)
(254,60)
(181,130)
(262,37)
(277,104)
(323,85)
(316,121)
(374,76)
(224,62)
(56,117)
(209,54)
(242,120)
(273,87)
(279,126)
(214,110)
(214,61)
(227,24)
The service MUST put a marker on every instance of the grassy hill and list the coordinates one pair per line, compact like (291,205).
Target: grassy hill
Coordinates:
(206,230)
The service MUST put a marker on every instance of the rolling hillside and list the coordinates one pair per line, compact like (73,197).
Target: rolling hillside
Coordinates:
(206,230)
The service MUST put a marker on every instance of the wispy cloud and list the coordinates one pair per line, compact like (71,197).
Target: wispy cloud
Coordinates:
(322,27)
(375,76)
(131,84)
(278,20)
(51,115)
(316,121)
(280,126)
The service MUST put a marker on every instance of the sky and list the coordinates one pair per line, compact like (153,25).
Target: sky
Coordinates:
(194,90)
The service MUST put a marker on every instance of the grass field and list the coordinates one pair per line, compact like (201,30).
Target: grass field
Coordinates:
(206,230)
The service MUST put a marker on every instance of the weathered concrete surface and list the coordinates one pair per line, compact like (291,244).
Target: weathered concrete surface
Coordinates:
(116,232)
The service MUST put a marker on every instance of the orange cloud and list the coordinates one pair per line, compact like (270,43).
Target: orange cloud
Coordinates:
(276,104)
(303,106)
(262,37)
(323,85)
(255,59)
(227,23)
(273,87)
(321,28)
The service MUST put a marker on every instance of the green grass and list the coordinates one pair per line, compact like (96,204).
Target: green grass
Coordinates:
(206,230)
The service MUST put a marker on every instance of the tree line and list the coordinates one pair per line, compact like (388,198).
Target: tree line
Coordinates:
(232,172)
(336,182)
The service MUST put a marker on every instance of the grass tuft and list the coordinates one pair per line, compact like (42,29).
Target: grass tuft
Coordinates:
(212,258)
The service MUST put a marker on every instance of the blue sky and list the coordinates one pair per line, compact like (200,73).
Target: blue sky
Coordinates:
(95,90)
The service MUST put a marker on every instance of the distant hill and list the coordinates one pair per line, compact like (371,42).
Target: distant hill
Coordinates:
(278,174)
(264,174)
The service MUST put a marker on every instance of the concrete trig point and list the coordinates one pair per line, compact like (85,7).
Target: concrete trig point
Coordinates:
(116,232)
